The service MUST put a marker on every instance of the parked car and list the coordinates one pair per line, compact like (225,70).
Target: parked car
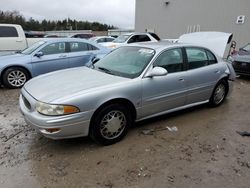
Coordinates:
(102,39)
(51,36)
(130,84)
(83,35)
(241,60)
(132,38)
(46,56)
(13,39)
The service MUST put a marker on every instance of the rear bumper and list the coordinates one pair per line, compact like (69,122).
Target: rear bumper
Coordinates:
(69,126)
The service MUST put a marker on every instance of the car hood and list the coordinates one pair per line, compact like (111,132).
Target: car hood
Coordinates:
(12,58)
(60,84)
(216,41)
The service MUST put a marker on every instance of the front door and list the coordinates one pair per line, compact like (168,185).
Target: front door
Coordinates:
(54,58)
(165,92)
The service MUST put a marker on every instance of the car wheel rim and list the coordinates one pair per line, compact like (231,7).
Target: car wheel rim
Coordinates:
(219,94)
(16,78)
(113,124)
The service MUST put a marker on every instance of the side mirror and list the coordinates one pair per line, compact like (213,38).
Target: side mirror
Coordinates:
(39,54)
(95,60)
(157,71)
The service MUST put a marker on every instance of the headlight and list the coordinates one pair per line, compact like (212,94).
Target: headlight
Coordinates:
(55,110)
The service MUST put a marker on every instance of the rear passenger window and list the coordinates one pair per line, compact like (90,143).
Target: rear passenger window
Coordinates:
(100,40)
(197,58)
(109,39)
(171,60)
(211,57)
(91,47)
(143,38)
(78,47)
(6,31)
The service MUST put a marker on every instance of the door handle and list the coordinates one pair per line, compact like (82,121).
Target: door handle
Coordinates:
(181,79)
(217,71)
(19,40)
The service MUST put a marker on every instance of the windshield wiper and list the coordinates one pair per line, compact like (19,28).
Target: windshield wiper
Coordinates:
(106,70)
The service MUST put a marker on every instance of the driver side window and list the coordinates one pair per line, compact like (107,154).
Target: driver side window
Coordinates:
(171,60)
(55,48)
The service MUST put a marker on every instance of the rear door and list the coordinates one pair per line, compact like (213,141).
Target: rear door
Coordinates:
(54,58)
(80,53)
(202,75)
(165,92)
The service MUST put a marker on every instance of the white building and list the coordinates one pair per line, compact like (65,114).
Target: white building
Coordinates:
(172,18)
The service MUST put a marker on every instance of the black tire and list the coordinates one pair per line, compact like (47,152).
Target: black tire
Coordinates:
(22,77)
(97,130)
(216,100)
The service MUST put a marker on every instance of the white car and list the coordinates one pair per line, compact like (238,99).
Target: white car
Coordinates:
(132,38)
(102,39)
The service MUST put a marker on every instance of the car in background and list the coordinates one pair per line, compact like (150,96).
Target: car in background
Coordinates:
(241,60)
(50,36)
(102,39)
(83,35)
(46,56)
(13,38)
(132,38)
(131,83)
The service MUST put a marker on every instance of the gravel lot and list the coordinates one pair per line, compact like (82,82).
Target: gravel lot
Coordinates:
(206,151)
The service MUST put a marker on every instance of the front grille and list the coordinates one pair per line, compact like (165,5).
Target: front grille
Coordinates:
(26,103)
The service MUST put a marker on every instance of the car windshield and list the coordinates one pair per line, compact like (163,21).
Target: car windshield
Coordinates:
(121,39)
(33,47)
(126,62)
(247,48)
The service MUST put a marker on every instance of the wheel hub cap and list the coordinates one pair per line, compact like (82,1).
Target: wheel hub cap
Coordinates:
(113,124)
(219,94)
(16,78)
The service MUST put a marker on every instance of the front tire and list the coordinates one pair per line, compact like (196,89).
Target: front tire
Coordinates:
(219,94)
(15,77)
(110,124)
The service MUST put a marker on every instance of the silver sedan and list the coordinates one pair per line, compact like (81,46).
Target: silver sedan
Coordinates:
(130,84)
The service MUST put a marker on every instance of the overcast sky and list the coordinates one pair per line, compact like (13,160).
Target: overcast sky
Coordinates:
(120,13)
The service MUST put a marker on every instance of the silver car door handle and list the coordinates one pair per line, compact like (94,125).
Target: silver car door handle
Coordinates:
(181,79)
(19,40)
(217,71)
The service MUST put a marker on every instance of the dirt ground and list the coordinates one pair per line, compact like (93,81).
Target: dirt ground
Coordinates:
(206,151)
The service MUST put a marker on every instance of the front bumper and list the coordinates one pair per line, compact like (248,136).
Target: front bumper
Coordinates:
(70,126)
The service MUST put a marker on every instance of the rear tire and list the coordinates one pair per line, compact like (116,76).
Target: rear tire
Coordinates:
(15,77)
(219,94)
(110,124)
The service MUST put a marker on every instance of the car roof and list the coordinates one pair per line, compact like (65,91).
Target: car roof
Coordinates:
(65,39)
(158,46)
